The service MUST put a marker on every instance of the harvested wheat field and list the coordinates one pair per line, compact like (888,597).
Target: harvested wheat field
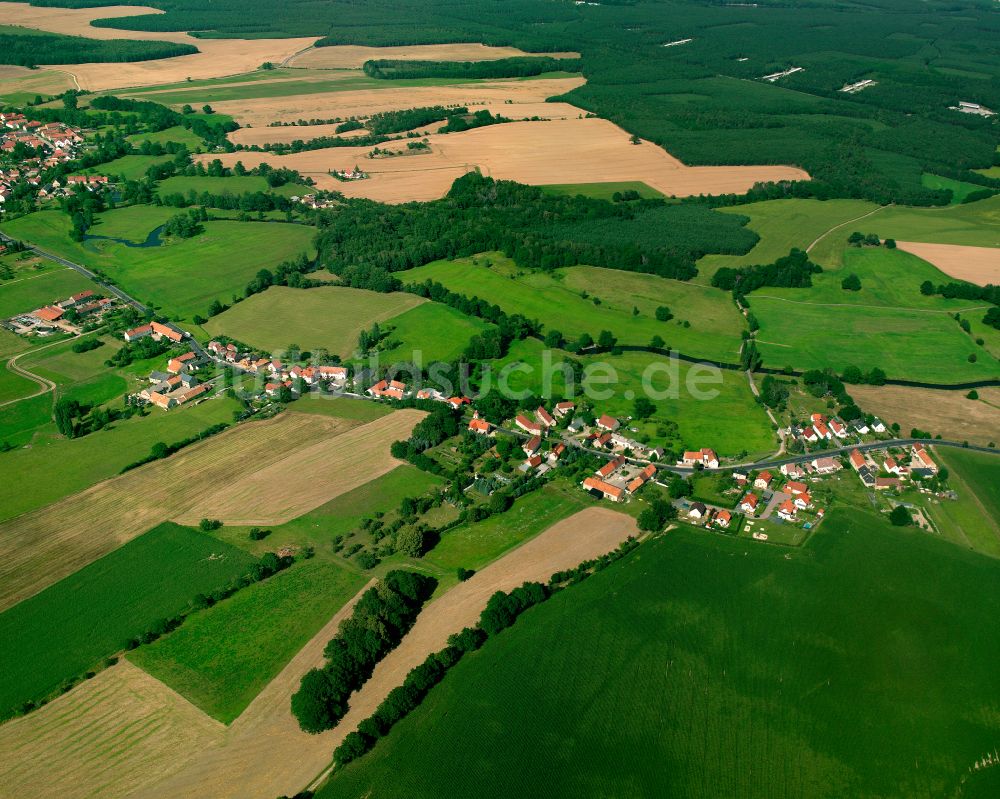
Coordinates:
(948,413)
(33,81)
(261,111)
(979,265)
(309,476)
(265,753)
(98,739)
(538,153)
(217,57)
(41,548)
(353,56)
(289,133)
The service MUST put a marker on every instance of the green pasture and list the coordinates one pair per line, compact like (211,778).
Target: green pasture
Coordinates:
(959,189)
(565,301)
(72,625)
(182,277)
(221,658)
(976,224)
(177,134)
(236,184)
(974,519)
(706,665)
(433,331)
(129,167)
(26,293)
(132,223)
(888,324)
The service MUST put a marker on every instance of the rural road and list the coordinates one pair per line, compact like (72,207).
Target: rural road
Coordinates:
(266,755)
(45,385)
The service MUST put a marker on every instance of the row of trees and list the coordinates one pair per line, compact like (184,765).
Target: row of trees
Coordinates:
(381,617)
(517,67)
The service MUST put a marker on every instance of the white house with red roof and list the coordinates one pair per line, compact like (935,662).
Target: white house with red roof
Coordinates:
(562,408)
(527,425)
(922,458)
(706,457)
(388,389)
(532,445)
(763,481)
(544,417)
(792,470)
(793,488)
(749,504)
(857,459)
(609,423)
(802,501)
(838,429)
(481,426)
(787,510)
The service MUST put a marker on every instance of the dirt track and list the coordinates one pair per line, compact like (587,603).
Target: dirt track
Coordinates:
(265,753)
(979,265)
(558,151)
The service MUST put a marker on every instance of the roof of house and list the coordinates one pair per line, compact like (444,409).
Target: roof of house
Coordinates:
(608,421)
(478,425)
(605,488)
(793,487)
(724,515)
(751,500)
(787,507)
(611,466)
(804,498)
(532,443)
(49,313)
(544,416)
(767,477)
(857,459)
(697,507)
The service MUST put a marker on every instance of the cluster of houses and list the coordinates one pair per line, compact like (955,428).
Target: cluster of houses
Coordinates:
(870,471)
(281,375)
(349,174)
(62,315)
(56,143)
(823,428)
(177,385)
(314,201)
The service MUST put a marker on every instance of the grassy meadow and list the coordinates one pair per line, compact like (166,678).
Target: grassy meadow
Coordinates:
(236,184)
(565,301)
(332,317)
(705,665)
(730,423)
(888,323)
(175,134)
(221,658)
(959,189)
(183,277)
(71,626)
(87,460)
(26,293)
(130,167)
(974,520)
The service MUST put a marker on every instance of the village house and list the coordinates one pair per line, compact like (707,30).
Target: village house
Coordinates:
(555,453)
(608,423)
(544,417)
(787,510)
(885,483)
(792,470)
(274,389)
(527,425)
(763,481)
(749,504)
(458,402)
(606,490)
(533,461)
(562,408)
(481,426)
(825,465)
(706,457)
(430,394)
(723,518)
(922,459)
(862,427)
(793,488)
(186,362)
(838,429)
(697,510)
(610,467)
(532,445)
(822,431)
(388,389)
(877,425)
(802,501)
(867,476)
(857,459)
(641,479)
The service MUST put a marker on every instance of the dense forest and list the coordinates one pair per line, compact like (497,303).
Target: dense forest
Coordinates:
(705,101)
(537,230)
(32,49)
(521,67)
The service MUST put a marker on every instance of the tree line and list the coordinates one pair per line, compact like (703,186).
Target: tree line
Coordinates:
(517,67)
(30,50)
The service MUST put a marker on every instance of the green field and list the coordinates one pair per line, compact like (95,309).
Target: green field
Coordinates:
(223,657)
(340,515)
(87,460)
(342,407)
(730,423)
(237,184)
(132,223)
(72,625)
(602,191)
(183,277)
(976,224)
(782,225)
(959,189)
(706,666)
(888,324)
(130,167)
(974,520)
(24,294)
(556,301)
(175,134)
(472,546)
(332,317)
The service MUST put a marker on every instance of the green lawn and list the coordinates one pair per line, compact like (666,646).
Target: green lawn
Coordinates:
(81,462)
(555,300)
(703,665)
(72,625)
(24,294)
(82,375)
(431,332)
(473,546)
(602,191)
(727,419)
(976,224)
(888,324)
(782,225)
(222,658)
(341,515)
(183,277)
(132,223)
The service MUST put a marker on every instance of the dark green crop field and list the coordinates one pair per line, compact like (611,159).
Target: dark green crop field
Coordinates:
(860,665)
(68,628)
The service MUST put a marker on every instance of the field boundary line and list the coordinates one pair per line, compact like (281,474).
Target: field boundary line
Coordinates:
(848,222)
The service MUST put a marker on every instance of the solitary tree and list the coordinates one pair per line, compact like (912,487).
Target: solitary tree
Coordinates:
(900,517)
